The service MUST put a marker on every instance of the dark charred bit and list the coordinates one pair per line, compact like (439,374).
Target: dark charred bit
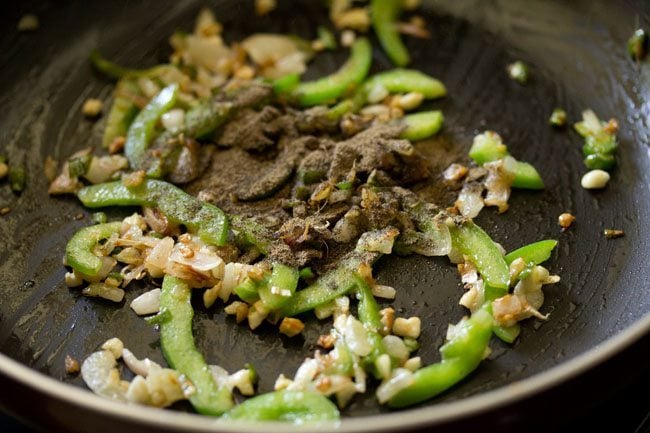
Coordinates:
(250,130)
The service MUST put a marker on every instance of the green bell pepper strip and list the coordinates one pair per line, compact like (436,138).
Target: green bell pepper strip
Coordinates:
(326,37)
(488,149)
(407,80)
(78,251)
(472,241)
(142,129)
(177,342)
(332,87)
(508,334)
(115,71)
(283,278)
(394,81)
(600,161)
(527,177)
(17,177)
(329,286)
(122,112)
(420,126)
(537,252)
(460,356)
(384,15)
(637,45)
(491,149)
(201,121)
(368,309)
(297,407)
(248,290)
(249,232)
(369,315)
(207,221)
(285,84)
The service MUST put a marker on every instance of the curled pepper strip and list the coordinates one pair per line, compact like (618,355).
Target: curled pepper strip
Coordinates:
(177,342)
(329,286)
(407,80)
(206,220)
(420,126)
(460,356)
(491,148)
(122,111)
(113,70)
(142,128)
(297,407)
(78,251)
(330,88)
(384,15)
(393,81)
(537,252)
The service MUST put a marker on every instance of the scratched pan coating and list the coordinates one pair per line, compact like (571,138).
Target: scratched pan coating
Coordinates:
(577,56)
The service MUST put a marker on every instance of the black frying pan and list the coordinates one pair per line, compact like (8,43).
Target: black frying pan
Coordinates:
(578,58)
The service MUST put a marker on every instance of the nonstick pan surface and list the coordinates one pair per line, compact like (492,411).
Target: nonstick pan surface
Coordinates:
(577,55)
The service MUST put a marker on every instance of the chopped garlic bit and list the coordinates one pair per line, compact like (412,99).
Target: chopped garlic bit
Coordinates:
(28,23)
(613,233)
(238,309)
(147,303)
(4,170)
(156,386)
(455,172)
(354,18)
(407,327)
(565,220)
(347,38)
(263,7)
(291,326)
(526,299)
(115,346)
(71,365)
(92,107)
(595,179)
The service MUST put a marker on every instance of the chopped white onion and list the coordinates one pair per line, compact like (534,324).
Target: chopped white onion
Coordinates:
(396,348)
(380,241)
(156,261)
(138,366)
(99,372)
(147,303)
(470,200)
(173,120)
(385,292)
(400,379)
(356,337)
(104,291)
(102,168)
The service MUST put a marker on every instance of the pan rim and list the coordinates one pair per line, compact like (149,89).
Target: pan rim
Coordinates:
(420,417)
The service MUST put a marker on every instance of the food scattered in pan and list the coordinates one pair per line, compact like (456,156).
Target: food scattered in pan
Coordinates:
(637,45)
(519,71)
(272,197)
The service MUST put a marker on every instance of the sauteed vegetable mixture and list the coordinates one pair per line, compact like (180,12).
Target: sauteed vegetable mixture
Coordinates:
(272,197)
